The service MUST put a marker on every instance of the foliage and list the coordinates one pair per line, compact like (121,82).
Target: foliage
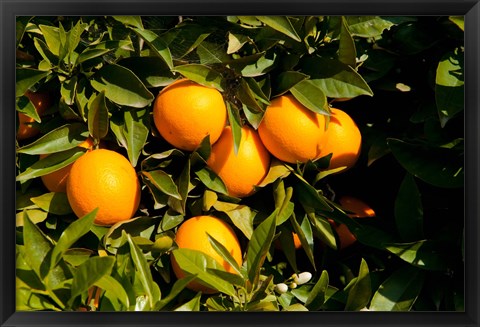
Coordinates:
(403,77)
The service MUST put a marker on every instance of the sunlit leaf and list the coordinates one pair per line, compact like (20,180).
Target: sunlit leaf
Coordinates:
(196,263)
(281,24)
(259,245)
(360,292)
(98,117)
(399,291)
(55,203)
(63,138)
(70,235)
(121,86)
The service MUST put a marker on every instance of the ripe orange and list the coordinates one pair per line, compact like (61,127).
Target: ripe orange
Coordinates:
(359,209)
(57,181)
(192,234)
(104,179)
(291,132)
(186,112)
(343,140)
(247,168)
(42,102)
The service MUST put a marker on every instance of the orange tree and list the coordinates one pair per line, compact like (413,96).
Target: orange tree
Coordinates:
(368,109)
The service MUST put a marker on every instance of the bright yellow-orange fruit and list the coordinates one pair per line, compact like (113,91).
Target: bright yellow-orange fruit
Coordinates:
(241,171)
(359,209)
(42,102)
(57,180)
(343,140)
(192,234)
(186,112)
(291,132)
(104,179)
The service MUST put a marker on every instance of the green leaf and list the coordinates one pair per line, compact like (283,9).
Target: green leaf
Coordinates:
(27,300)
(196,263)
(228,277)
(37,247)
(438,166)
(459,21)
(70,235)
(308,93)
(63,138)
(55,203)
(409,210)
(241,216)
(121,86)
(317,295)
(25,106)
(247,97)
(152,71)
(52,38)
(308,195)
(115,288)
(360,291)
(21,23)
(179,285)
(323,229)
(308,248)
(135,21)
(183,184)
(367,26)
(336,79)
(163,182)
(152,291)
(102,48)
(255,65)
(287,80)
(281,24)
(235,123)
(50,164)
(211,53)
(98,117)
(223,252)
(132,131)
(259,245)
(346,49)
(236,42)
(449,86)
(211,180)
(25,78)
(426,254)
(67,90)
(89,273)
(202,75)
(192,305)
(157,44)
(45,52)
(282,199)
(277,170)
(400,291)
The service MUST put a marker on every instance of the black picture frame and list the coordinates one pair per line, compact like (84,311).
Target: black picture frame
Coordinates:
(9,9)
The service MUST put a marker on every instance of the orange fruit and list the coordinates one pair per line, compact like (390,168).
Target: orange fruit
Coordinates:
(57,181)
(290,131)
(247,168)
(343,140)
(104,179)
(42,102)
(186,112)
(359,209)
(192,234)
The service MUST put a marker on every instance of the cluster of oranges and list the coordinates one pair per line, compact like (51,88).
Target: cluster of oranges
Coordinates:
(185,113)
